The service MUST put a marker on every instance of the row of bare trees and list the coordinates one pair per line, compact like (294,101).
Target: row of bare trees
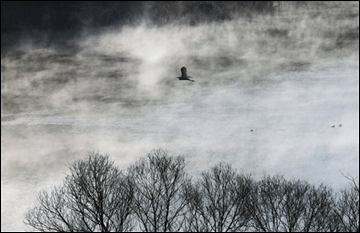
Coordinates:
(156,195)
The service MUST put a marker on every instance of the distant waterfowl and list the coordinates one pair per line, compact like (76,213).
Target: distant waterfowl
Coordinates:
(333,126)
(340,125)
(184,75)
(251,130)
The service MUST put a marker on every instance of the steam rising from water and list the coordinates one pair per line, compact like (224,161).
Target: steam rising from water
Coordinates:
(288,77)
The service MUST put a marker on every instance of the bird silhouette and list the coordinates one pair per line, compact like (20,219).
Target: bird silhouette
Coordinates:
(333,126)
(340,125)
(184,75)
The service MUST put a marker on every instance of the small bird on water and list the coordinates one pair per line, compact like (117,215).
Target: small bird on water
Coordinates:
(184,75)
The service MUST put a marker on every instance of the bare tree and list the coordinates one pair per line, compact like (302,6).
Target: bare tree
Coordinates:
(280,205)
(319,205)
(159,180)
(218,201)
(157,195)
(346,211)
(95,197)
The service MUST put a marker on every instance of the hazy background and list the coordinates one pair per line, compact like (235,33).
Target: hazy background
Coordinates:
(82,76)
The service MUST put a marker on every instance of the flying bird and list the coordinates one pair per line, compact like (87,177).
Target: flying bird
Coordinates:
(184,75)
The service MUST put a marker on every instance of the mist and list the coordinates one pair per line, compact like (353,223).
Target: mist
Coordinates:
(268,88)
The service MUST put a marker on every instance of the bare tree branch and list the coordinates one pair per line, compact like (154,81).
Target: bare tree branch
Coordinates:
(95,197)
(219,201)
(159,203)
